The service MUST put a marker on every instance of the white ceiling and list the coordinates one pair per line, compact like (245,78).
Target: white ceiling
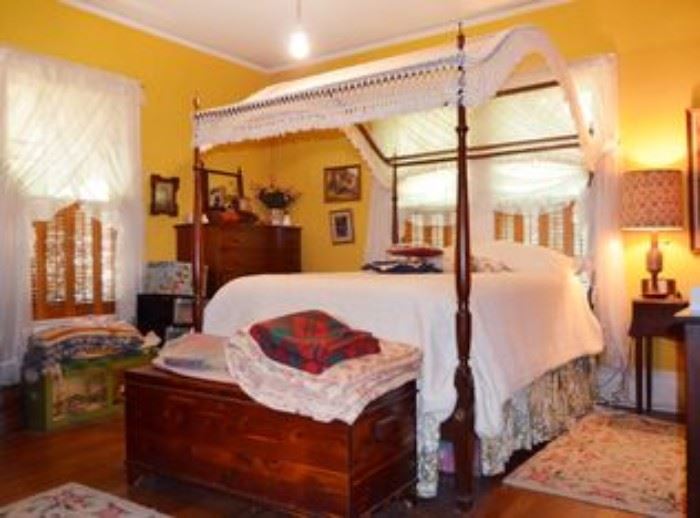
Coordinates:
(255,32)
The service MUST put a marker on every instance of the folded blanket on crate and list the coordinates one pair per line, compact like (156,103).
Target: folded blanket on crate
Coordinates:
(311,341)
(340,392)
(48,348)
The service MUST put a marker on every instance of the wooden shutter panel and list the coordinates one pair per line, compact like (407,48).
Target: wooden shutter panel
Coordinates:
(69,267)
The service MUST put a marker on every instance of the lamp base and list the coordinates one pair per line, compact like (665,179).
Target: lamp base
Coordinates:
(664,288)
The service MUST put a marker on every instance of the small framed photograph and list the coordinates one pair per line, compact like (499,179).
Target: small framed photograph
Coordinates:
(342,183)
(164,195)
(342,227)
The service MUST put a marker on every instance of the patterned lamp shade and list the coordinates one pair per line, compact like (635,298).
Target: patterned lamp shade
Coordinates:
(652,200)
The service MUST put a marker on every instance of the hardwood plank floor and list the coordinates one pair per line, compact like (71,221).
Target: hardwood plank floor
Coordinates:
(93,455)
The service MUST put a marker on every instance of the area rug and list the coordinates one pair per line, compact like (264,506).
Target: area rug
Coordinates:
(75,500)
(614,459)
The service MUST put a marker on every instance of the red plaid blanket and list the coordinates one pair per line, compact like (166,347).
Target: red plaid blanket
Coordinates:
(311,340)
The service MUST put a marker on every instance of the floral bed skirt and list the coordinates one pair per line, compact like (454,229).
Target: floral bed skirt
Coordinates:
(538,413)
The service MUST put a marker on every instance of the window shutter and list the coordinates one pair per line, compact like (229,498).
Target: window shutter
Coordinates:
(73,268)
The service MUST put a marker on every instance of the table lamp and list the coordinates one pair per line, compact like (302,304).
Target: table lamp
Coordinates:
(652,202)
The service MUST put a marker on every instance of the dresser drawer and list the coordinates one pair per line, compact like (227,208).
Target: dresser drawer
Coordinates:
(232,251)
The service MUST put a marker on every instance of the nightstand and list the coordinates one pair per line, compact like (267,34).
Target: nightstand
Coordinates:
(652,318)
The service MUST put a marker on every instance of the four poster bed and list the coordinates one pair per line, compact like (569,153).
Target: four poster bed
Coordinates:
(462,77)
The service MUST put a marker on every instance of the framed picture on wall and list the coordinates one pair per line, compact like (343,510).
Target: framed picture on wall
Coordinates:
(342,183)
(164,195)
(342,227)
(693,118)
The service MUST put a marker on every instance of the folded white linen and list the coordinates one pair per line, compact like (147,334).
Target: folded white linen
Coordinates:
(340,392)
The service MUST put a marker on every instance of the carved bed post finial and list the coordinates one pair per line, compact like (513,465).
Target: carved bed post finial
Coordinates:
(461,40)
(196,102)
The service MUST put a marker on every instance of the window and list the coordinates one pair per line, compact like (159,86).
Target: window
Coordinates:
(560,229)
(71,206)
(73,265)
(527,197)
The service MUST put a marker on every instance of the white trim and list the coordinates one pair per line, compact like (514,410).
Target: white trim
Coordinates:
(98,11)
(497,14)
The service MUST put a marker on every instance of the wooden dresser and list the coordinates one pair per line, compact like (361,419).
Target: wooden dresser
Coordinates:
(236,250)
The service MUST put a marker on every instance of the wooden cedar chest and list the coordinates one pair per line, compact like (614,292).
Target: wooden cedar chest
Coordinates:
(213,434)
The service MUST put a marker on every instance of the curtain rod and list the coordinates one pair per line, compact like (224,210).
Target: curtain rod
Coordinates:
(494,154)
(488,147)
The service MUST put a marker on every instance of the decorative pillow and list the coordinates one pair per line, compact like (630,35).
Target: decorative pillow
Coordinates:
(488,265)
(525,258)
(480,264)
(422,251)
(401,267)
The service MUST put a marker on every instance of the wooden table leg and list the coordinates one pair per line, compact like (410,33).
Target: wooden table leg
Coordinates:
(692,334)
(650,368)
(638,367)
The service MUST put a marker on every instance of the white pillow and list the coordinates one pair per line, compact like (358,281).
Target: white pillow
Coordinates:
(525,258)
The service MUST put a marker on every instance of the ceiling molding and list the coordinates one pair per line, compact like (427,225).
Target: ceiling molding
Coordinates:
(496,14)
(122,20)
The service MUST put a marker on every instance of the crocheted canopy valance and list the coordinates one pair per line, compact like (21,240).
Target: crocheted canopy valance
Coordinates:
(413,82)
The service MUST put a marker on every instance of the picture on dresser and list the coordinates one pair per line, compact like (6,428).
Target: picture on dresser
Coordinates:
(342,183)
(693,119)
(164,195)
(342,227)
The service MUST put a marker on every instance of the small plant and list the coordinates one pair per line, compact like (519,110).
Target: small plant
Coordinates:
(274,197)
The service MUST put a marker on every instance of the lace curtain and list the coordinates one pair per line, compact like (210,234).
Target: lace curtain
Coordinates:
(67,133)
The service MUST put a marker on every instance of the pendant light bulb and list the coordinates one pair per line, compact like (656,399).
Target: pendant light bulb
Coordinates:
(299,44)
(298,41)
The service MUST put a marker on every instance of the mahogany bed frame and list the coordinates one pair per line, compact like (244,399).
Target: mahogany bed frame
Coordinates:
(459,428)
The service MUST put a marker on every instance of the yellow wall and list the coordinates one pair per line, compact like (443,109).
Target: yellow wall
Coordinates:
(299,161)
(170,75)
(658,46)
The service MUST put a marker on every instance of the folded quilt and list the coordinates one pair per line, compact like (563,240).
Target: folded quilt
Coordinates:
(311,341)
(54,345)
(340,392)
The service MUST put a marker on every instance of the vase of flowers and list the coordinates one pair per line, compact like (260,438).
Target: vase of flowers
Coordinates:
(277,200)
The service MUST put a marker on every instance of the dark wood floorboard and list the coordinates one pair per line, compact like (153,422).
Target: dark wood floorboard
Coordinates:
(93,455)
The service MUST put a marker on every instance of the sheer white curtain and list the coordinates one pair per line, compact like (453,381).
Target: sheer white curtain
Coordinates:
(529,183)
(67,133)
(596,82)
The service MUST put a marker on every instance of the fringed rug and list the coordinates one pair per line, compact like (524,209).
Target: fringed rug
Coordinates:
(73,501)
(613,459)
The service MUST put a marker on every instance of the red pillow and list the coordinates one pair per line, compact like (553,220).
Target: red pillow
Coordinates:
(415,251)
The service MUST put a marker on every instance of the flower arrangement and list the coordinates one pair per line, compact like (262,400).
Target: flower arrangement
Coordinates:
(274,197)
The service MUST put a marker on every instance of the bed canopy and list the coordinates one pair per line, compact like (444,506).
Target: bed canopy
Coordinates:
(415,82)
(459,77)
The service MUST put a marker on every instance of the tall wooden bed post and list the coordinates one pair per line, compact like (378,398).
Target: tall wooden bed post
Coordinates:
(197,234)
(394,202)
(463,417)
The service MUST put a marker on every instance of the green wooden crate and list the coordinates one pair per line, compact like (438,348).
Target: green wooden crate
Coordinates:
(85,391)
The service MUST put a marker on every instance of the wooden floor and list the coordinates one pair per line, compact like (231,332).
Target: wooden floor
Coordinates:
(92,455)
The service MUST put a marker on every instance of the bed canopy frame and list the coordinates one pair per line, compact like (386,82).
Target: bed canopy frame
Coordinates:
(411,83)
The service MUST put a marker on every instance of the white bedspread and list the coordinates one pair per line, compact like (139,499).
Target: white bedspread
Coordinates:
(524,324)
